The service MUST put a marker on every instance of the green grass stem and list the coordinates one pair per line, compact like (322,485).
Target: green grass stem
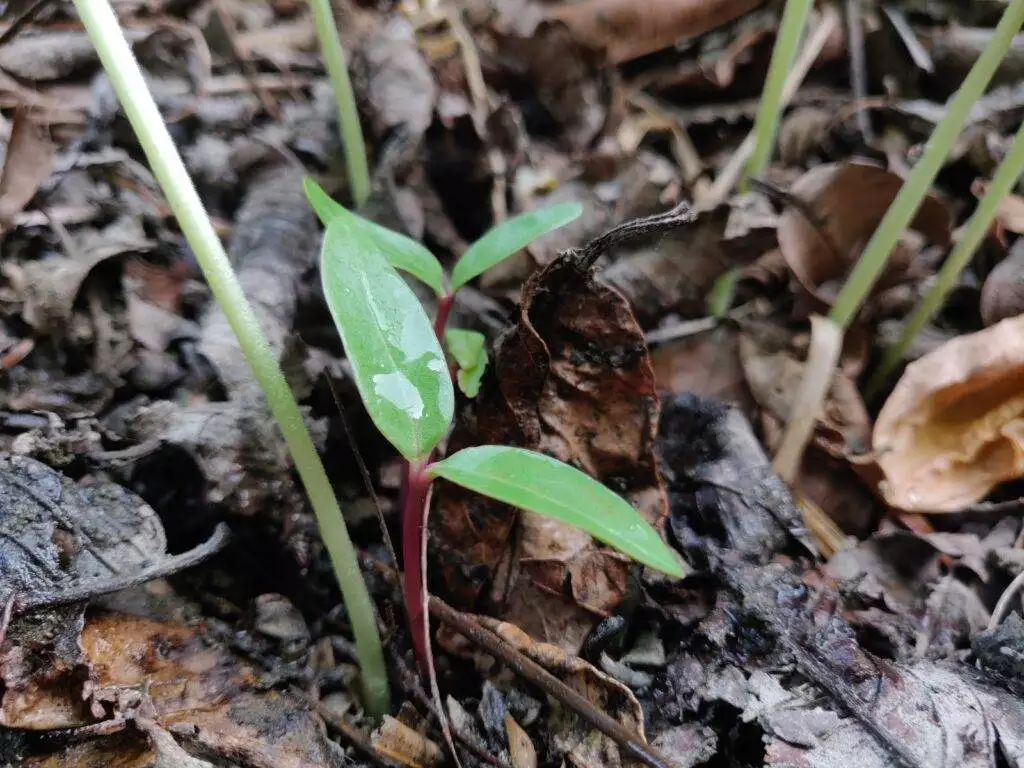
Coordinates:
(1007,175)
(872,261)
(348,115)
(103,29)
(769,111)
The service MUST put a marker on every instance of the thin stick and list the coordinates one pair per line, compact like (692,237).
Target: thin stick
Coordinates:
(1003,606)
(731,173)
(126,77)
(90,589)
(536,674)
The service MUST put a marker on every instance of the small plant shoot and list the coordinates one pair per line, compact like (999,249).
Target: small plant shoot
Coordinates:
(509,238)
(468,350)
(541,484)
(406,385)
(397,362)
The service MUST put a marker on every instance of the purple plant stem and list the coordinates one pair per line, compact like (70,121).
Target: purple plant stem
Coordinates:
(414,540)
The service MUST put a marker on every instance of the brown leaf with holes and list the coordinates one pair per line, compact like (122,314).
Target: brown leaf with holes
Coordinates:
(573,379)
(835,210)
(626,29)
(953,428)
(27,164)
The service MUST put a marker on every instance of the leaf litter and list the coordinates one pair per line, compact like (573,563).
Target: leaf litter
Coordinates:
(867,612)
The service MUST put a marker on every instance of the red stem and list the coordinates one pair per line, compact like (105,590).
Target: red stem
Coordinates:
(415,498)
(414,547)
(444,308)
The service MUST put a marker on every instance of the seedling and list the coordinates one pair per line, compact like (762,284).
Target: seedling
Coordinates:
(405,383)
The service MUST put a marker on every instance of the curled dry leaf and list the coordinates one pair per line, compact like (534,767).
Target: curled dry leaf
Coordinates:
(28,161)
(953,428)
(571,379)
(836,209)
(626,29)
(1002,295)
(399,742)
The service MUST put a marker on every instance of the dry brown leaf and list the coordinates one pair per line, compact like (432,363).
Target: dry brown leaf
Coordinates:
(953,429)
(1009,212)
(409,747)
(27,164)
(842,205)
(1002,295)
(572,379)
(582,745)
(626,29)
(520,749)
(707,363)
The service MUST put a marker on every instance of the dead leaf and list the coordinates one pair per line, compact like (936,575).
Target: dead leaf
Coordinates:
(1010,210)
(625,29)
(676,271)
(969,724)
(579,742)
(400,742)
(51,539)
(520,749)
(28,161)
(1002,295)
(573,379)
(707,363)
(840,207)
(952,429)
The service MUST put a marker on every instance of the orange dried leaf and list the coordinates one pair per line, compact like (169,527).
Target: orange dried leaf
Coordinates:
(626,29)
(953,428)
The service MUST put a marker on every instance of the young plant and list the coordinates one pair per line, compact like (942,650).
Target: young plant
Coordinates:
(403,378)
(126,77)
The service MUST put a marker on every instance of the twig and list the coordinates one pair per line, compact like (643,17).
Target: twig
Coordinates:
(352,735)
(551,685)
(858,66)
(734,169)
(165,567)
(630,230)
(1003,605)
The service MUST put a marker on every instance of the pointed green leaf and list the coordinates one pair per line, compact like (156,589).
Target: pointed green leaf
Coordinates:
(402,252)
(397,361)
(544,485)
(506,239)
(467,348)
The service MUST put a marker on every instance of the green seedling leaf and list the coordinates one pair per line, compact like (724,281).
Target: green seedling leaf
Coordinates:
(506,239)
(397,360)
(402,252)
(468,350)
(541,484)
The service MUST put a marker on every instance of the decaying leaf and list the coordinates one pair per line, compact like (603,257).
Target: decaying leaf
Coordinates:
(1009,212)
(1002,295)
(579,742)
(572,379)
(53,537)
(28,160)
(952,429)
(409,747)
(839,208)
(625,29)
